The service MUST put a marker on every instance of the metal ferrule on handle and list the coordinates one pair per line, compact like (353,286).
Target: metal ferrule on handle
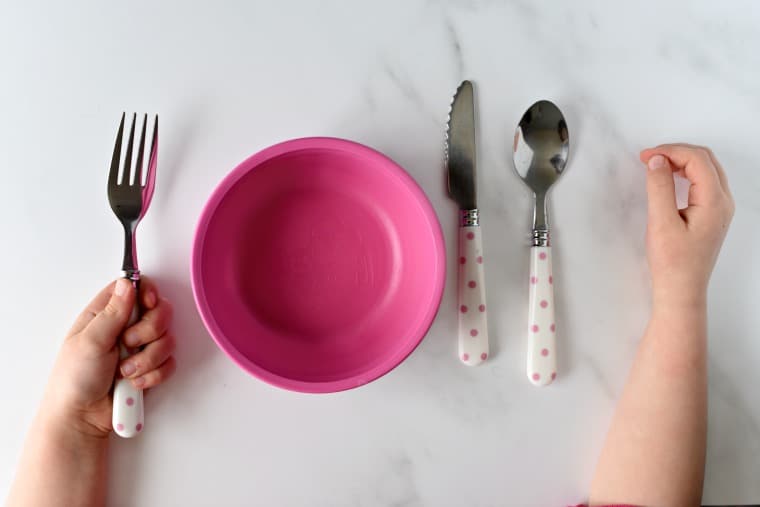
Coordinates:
(469,218)
(541,237)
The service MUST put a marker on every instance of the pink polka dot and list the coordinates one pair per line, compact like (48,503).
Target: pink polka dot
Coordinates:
(463,308)
(130,401)
(551,279)
(483,356)
(462,260)
(544,304)
(482,308)
(120,427)
(552,328)
(479,260)
(554,375)
(465,357)
(542,256)
(534,328)
(533,280)
(536,376)
(544,352)
(473,332)
(472,284)
(470,235)
(138,427)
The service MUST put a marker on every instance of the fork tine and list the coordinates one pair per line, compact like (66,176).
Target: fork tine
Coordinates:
(113,174)
(150,178)
(140,150)
(127,173)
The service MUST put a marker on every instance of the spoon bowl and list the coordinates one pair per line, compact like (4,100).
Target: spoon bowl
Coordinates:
(541,146)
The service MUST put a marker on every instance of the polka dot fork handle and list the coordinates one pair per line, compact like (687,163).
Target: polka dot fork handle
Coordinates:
(471,298)
(542,346)
(128,415)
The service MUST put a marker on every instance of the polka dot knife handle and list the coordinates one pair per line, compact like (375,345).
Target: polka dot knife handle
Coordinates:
(473,328)
(542,347)
(128,416)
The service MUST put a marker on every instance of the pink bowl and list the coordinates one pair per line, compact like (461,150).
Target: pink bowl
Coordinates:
(318,265)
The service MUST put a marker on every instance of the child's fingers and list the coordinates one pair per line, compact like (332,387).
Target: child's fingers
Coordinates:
(157,376)
(661,193)
(91,310)
(148,293)
(149,358)
(106,326)
(697,167)
(151,325)
(718,167)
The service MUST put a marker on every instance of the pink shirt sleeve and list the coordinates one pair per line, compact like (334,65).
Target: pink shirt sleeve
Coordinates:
(610,505)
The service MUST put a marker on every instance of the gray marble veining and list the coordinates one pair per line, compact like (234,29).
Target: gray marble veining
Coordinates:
(228,81)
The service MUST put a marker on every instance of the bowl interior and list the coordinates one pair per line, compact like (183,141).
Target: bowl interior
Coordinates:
(320,268)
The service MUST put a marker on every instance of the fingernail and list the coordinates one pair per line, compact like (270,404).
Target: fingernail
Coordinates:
(128,369)
(656,162)
(121,287)
(150,299)
(138,382)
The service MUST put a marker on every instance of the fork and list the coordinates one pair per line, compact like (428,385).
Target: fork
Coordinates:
(129,198)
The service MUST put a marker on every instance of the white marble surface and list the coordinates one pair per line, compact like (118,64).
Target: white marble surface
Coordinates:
(229,78)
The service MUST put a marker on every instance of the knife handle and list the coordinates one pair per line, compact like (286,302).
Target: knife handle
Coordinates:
(128,415)
(542,345)
(471,298)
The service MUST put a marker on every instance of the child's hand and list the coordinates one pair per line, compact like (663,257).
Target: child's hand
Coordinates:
(682,246)
(79,391)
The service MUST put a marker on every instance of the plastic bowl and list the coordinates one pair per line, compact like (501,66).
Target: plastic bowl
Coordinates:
(318,265)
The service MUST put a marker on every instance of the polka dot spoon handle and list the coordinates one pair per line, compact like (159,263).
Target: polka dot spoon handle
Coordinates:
(128,416)
(542,347)
(473,325)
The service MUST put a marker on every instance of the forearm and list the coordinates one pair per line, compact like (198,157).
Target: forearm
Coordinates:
(60,466)
(655,450)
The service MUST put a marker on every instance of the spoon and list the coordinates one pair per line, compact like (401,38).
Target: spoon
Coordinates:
(541,149)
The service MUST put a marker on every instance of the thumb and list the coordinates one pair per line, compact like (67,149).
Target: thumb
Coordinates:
(106,327)
(661,191)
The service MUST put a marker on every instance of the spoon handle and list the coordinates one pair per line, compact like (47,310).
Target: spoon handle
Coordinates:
(542,346)
(471,298)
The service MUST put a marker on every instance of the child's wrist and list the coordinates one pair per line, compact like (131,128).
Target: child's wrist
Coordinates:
(71,434)
(679,299)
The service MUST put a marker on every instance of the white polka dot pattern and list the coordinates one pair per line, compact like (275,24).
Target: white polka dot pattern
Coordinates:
(471,300)
(542,347)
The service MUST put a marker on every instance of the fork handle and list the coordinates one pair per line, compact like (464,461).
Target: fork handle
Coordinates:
(128,415)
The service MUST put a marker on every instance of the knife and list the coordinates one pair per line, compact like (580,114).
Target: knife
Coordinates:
(460,166)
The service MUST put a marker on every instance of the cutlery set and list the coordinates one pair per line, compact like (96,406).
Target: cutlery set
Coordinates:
(540,152)
(351,274)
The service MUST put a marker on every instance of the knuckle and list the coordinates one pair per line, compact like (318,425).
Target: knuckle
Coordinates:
(730,208)
(158,376)
(111,310)
(170,342)
(167,309)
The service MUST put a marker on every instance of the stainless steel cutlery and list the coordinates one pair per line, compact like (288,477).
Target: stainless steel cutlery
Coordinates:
(460,159)
(541,147)
(129,193)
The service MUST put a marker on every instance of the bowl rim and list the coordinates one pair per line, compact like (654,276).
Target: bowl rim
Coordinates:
(250,164)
